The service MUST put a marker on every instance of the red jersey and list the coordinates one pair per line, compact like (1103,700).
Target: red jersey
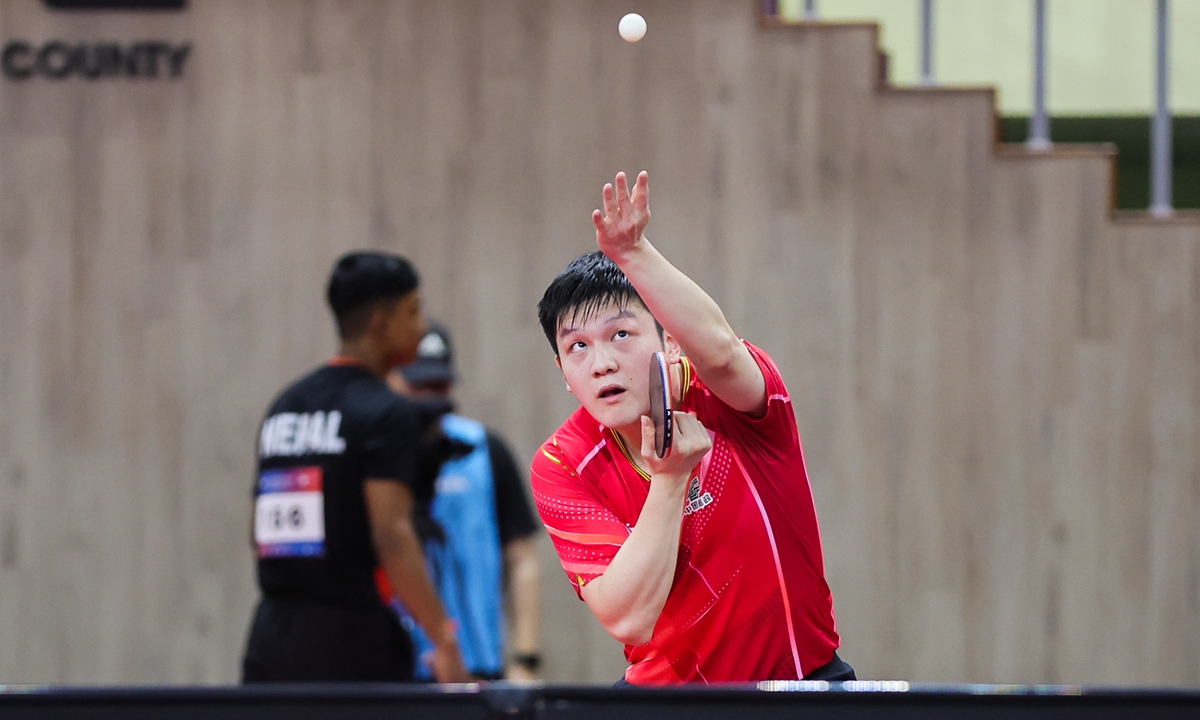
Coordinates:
(749,599)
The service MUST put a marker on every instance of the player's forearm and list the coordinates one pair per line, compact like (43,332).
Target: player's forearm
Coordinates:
(403,560)
(629,597)
(682,307)
(524,587)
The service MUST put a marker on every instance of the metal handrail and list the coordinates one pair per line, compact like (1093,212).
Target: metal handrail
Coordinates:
(1160,133)
(1039,120)
(927,78)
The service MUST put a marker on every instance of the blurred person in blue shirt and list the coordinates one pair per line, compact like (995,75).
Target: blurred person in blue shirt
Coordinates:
(479,530)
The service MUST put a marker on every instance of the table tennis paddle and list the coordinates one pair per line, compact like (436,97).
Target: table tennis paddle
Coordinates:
(660,404)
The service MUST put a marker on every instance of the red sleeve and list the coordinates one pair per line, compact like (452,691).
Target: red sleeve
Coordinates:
(775,433)
(586,534)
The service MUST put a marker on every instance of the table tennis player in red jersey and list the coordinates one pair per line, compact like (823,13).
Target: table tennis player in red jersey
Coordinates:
(706,563)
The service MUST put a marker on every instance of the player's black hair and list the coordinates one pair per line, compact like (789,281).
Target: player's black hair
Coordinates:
(589,283)
(363,279)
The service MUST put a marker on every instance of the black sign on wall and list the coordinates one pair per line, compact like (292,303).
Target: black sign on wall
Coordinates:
(60,59)
(116,4)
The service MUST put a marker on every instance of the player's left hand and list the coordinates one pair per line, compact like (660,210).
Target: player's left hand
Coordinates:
(620,227)
(692,442)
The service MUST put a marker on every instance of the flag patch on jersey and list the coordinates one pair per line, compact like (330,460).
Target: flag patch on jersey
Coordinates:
(289,513)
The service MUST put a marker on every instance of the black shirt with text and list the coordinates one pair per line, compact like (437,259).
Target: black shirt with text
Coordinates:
(321,439)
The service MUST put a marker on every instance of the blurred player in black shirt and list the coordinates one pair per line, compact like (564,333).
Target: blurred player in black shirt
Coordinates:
(338,481)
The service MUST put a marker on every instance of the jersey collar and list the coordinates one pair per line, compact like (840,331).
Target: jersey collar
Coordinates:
(629,457)
(345,361)
(685,381)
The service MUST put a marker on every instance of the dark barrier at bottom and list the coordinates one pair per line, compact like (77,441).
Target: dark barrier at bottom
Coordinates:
(766,701)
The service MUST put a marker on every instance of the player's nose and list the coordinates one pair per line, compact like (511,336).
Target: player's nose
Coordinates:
(604,362)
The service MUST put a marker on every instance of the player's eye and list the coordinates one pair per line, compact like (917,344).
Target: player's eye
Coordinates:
(621,334)
(578,345)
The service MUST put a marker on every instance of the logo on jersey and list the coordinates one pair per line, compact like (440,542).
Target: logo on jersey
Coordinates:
(288,434)
(696,501)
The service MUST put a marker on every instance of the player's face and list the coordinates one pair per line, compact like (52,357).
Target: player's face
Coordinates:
(405,326)
(605,359)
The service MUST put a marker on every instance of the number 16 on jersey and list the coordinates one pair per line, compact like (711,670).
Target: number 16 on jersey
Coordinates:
(289,514)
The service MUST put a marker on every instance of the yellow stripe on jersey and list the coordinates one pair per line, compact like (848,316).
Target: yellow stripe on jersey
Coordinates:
(559,462)
(625,451)
(686,380)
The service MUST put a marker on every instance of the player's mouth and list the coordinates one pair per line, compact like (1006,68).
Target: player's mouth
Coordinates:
(611,393)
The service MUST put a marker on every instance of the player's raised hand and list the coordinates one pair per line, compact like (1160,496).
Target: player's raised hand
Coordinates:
(691,442)
(620,226)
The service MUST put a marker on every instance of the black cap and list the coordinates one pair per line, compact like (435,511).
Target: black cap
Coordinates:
(435,357)
(362,276)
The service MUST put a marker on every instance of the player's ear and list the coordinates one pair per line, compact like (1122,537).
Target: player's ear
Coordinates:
(671,348)
(380,315)
(558,362)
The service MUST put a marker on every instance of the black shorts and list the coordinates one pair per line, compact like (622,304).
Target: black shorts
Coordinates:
(836,670)
(299,641)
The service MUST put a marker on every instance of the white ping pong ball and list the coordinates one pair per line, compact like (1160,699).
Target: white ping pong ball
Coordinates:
(632,27)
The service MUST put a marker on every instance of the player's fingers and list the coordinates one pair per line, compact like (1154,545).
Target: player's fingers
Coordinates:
(623,201)
(685,424)
(641,191)
(598,220)
(610,201)
(647,437)
(690,433)
(622,185)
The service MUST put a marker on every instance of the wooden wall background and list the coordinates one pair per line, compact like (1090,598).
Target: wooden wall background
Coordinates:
(997,383)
